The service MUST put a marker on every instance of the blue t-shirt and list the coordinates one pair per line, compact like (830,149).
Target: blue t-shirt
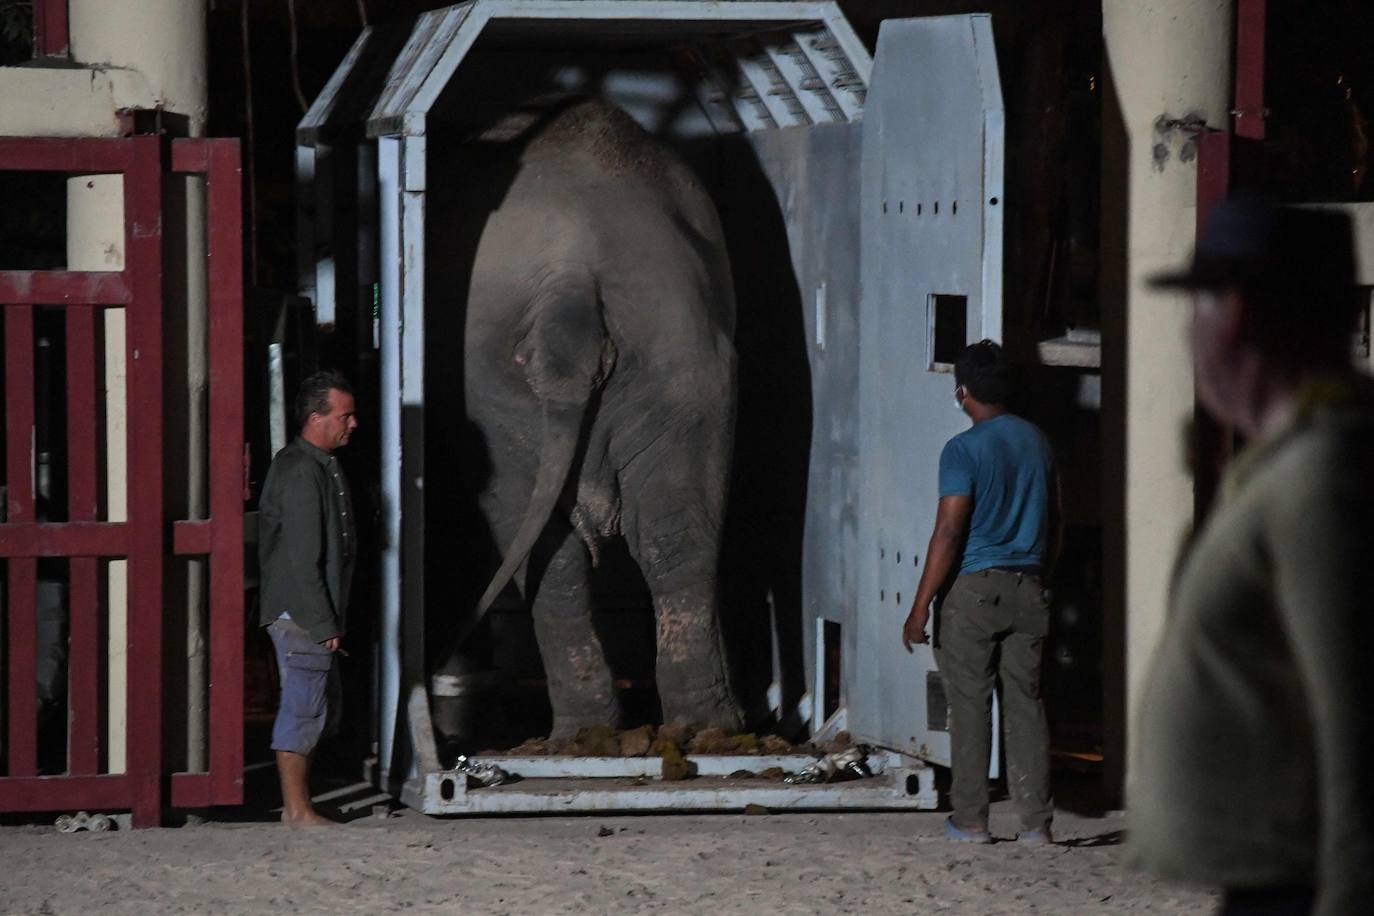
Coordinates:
(1005,464)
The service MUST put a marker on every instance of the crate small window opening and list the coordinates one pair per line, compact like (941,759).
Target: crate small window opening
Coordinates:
(946,330)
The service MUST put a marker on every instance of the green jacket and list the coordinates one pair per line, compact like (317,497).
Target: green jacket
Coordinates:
(1253,757)
(307,545)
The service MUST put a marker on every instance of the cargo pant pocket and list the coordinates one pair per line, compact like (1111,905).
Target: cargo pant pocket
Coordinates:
(1033,610)
(966,595)
(305,684)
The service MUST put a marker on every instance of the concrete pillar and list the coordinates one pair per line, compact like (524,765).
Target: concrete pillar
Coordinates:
(1166,71)
(164,41)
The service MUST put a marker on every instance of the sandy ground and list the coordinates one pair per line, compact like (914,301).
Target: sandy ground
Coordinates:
(730,863)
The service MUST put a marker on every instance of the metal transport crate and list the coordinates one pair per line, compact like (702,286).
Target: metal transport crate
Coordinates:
(886,173)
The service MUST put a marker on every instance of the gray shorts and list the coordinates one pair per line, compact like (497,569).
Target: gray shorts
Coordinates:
(310,691)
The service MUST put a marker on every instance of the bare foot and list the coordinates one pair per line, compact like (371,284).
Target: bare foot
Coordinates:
(308,818)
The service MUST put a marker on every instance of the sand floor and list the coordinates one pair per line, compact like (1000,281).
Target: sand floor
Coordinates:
(729,863)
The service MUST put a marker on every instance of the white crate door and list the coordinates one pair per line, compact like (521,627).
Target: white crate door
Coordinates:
(931,234)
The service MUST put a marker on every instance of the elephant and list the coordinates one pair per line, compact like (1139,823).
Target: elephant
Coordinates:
(598,377)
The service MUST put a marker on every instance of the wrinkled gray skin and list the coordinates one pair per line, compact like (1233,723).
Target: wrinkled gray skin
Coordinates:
(600,369)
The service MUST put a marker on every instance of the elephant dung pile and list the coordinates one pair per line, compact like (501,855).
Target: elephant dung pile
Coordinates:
(676,745)
(666,741)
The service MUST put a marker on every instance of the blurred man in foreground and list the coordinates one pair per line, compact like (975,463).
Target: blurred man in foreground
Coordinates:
(1255,742)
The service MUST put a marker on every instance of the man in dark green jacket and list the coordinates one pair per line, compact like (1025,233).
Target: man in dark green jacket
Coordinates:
(307,546)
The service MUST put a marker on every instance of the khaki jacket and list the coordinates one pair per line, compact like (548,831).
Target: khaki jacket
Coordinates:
(1254,747)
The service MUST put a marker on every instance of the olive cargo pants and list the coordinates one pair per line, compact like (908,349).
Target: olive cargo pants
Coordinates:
(983,612)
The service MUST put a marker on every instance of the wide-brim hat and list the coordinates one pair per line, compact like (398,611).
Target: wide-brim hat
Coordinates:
(1249,242)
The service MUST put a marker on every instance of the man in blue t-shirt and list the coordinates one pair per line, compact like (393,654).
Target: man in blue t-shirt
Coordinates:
(997,525)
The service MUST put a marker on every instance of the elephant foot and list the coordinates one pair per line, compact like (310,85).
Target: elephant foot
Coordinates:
(567,725)
(709,706)
(581,691)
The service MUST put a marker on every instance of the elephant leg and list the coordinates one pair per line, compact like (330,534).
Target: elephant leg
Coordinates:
(581,691)
(676,541)
(693,677)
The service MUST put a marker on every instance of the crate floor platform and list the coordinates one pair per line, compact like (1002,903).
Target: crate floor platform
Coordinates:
(584,785)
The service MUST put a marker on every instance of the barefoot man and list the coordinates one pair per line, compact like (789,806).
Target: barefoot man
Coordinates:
(307,549)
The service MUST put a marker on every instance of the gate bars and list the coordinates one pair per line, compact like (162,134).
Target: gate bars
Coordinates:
(220,537)
(143,539)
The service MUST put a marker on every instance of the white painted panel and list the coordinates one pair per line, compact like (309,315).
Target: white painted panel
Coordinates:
(325,197)
(822,318)
(305,221)
(279,430)
(994,155)
(325,297)
(416,161)
(812,179)
(927,173)
(389,215)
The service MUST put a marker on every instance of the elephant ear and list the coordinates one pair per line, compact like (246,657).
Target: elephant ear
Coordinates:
(566,356)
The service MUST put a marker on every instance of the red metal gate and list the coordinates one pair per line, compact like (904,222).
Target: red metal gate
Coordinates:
(87,539)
